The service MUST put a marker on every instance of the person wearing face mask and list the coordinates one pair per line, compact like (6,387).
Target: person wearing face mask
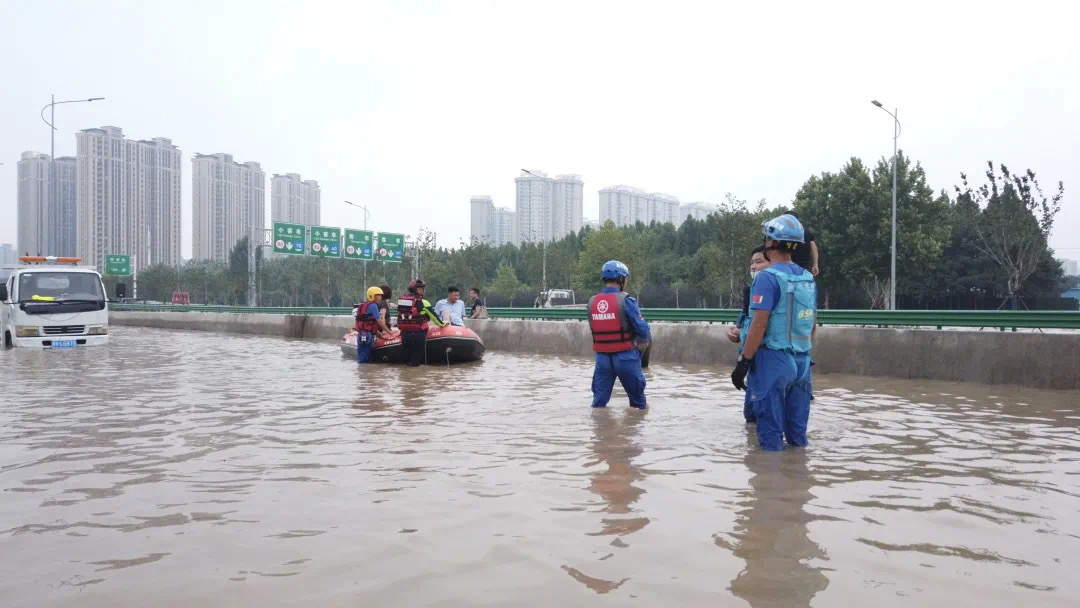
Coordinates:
(758,261)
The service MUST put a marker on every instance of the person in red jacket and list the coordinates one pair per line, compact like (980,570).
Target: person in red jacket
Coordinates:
(369,323)
(414,313)
(619,335)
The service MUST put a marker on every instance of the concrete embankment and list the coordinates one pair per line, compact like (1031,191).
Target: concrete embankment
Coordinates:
(989,357)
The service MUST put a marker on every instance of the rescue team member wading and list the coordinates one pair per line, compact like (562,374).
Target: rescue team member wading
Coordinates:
(414,314)
(616,324)
(369,322)
(737,333)
(776,346)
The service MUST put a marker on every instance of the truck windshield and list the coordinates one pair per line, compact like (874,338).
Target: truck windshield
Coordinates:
(562,298)
(59,287)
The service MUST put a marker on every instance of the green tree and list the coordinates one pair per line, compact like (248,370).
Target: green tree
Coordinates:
(506,283)
(1015,223)
(850,213)
(611,243)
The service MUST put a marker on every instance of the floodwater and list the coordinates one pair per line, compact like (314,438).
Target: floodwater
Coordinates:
(195,469)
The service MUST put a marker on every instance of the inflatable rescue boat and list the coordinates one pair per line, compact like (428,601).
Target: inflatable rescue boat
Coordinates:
(450,344)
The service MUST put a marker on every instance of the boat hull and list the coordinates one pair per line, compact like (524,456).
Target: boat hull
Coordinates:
(449,344)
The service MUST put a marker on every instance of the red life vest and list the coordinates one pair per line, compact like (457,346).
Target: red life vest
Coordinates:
(409,308)
(611,331)
(364,320)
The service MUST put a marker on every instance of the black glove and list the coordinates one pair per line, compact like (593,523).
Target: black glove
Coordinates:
(738,375)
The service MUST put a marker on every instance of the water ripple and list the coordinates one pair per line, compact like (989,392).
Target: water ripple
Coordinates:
(201,467)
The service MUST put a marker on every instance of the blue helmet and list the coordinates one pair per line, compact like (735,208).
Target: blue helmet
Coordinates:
(614,269)
(784,228)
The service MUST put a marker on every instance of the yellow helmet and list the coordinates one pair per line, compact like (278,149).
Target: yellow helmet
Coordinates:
(372,292)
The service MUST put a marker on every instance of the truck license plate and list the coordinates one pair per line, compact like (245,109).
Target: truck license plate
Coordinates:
(63,344)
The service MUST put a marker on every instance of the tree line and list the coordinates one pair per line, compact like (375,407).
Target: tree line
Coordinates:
(981,245)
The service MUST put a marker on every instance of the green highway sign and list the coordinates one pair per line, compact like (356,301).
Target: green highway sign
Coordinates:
(118,265)
(326,241)
(390,247)
(289,238)
(359,244)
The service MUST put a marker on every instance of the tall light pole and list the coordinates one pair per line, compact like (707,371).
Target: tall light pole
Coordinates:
(896,136)
(543,244)
(52,139)
(366,215)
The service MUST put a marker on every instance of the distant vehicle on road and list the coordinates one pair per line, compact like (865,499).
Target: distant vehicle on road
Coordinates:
(557,298)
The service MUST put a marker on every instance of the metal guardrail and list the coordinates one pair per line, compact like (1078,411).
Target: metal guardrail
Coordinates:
(1002,319)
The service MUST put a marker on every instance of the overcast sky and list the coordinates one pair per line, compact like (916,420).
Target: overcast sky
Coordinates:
(411,107)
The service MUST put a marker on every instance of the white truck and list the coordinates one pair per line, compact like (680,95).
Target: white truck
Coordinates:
(557,298)
(50,302)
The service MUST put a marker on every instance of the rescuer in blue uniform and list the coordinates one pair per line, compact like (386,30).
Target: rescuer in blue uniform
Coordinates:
(777,341)
(619,335)
(369,323)
(737,333)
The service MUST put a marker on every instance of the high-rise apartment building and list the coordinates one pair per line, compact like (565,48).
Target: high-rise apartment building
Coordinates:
(626,206)
(490,224)
(548,209)
(533,207)
(567,202)
(46,205)
(295,200)
(128,198)
(1070,267)
(8,256)
(696,210)
(228,199)
(64,210)
(33,206)
(506,227)
(481,219)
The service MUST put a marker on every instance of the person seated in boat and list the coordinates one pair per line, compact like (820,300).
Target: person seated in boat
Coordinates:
(369,323)
(451,309)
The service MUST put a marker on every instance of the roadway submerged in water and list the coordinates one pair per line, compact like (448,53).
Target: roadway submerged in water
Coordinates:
(189,468)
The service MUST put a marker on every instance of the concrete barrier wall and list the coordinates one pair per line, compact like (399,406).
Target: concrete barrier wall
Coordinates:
(989,357)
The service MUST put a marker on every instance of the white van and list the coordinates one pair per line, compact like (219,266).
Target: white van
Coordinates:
(50,302)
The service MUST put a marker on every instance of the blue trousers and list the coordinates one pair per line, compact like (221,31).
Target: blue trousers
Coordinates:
(365,343)
(748,407)
(779,388)
(626,366)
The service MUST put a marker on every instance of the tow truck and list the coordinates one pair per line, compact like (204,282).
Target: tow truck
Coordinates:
(52,302)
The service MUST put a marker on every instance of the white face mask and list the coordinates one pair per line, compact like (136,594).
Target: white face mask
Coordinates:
(753,274)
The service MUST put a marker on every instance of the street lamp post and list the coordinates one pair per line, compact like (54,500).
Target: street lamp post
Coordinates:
(543,244)
(52,139)
(366,215)
(896,136)
(364,208)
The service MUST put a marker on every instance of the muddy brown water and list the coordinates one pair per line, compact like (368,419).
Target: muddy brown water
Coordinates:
(196,469)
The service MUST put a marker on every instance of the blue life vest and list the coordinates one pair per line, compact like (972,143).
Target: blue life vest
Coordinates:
(792,320)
